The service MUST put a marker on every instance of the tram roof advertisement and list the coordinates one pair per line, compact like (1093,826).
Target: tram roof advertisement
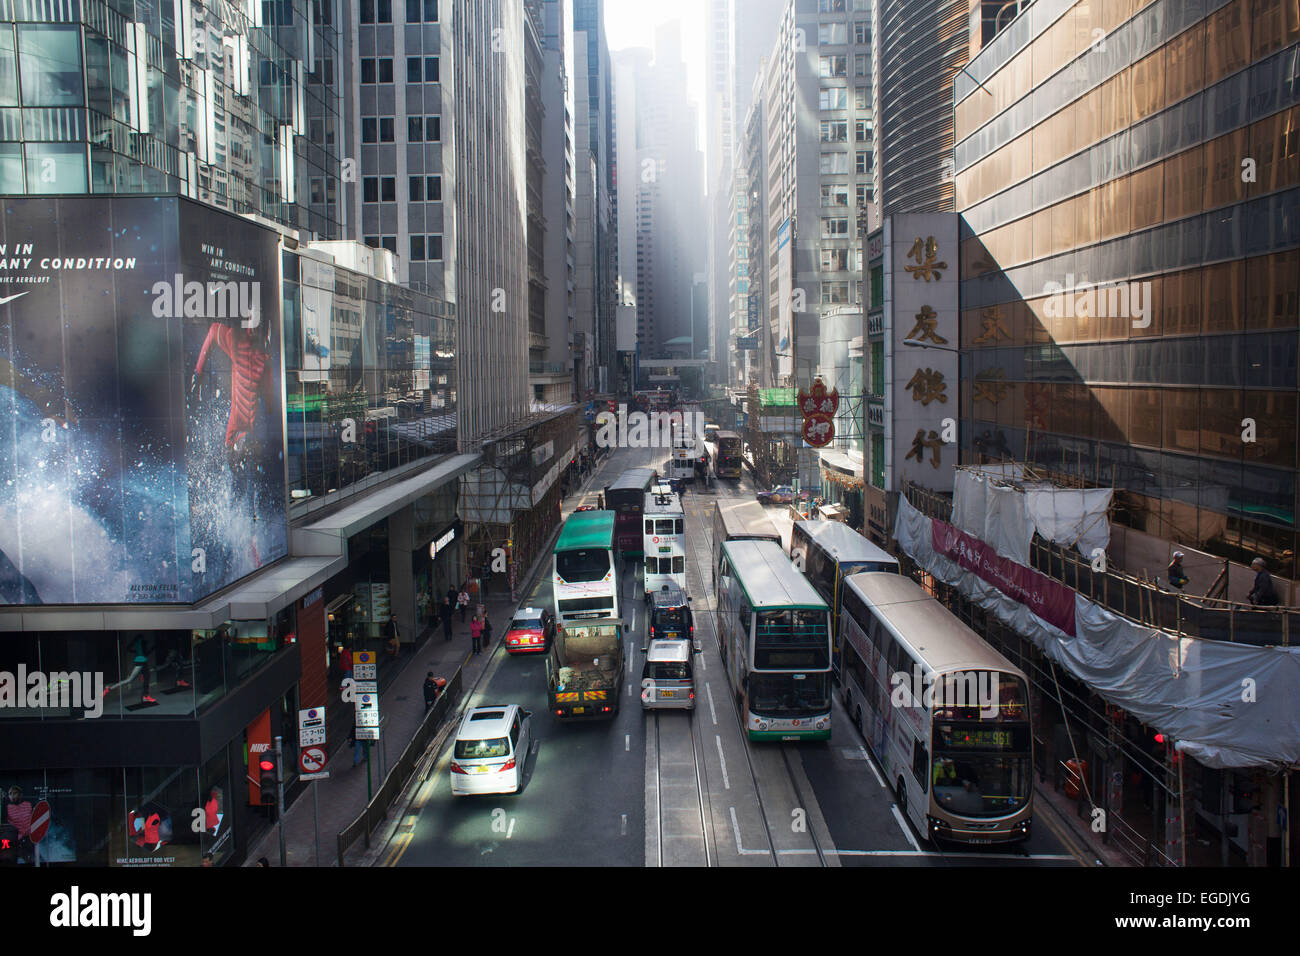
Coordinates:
(142,455)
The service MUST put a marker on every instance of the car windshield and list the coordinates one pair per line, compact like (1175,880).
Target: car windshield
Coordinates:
(482,749)
(526,624)
(584,565)
(663,670)
(670,619)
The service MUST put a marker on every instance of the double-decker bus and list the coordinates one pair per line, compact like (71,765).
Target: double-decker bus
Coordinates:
(945,714)
(663,540)
(626,497)
(739,519)
(686,451)
(584,570)
(828,552)
(727,461)
(775,638)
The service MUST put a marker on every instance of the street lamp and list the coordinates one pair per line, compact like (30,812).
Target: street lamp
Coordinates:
(938,348)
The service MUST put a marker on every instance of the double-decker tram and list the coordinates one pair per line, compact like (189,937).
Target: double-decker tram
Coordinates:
(626,497)
(663,540)
(584,570)
(774,635)
(830,551)
(727,462)
(946,715)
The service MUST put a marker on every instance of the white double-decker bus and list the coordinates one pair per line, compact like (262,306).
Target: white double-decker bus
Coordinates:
(584,572)
(775,638)
(663,540)
(945,714)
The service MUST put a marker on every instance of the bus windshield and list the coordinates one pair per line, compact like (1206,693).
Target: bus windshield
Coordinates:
(789,695)
(856,567)
(980,695)
(578,566)
(791,638)
(980,771)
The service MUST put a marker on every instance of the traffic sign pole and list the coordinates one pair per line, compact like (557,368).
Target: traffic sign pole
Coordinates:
(279,812)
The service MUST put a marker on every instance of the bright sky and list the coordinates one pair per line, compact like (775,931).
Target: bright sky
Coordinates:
(630,23)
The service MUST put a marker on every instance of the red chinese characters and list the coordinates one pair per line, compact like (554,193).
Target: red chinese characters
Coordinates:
(818,408)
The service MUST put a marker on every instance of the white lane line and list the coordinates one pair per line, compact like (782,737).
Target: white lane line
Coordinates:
(703,668)
(723,760)
(902,825)
(633,615)
(627,742)
(629,693)
(708,691)
(623,828)
(735,829)
(871,762)
(915,853)
(629,651)
(510,832)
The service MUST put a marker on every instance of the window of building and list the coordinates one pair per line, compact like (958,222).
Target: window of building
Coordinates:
(415,189)
(862,131)
(433,247)
(433,129)
(369,130)
(384,11)
(835,194)
(415,129)
(835,131)
(864,195)
(372,241)
(418,11)
(417,248)
(833,99)
(831,33)
(388,189)
(861,31)
(413,69)
(861,64)
(49,65)
(835,293)
(862,164)
(860,97)
(367,11)
(832,163)
(832,66)
(830,6)
(835,260)
(389,243)
(834,227)
(385,129)
(370,189)
(431,69)
(433,188)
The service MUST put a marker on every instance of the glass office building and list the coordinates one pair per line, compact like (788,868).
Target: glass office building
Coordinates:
(1128,176)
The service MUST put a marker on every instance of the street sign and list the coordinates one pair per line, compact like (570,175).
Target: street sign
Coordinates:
(368,733)
(40,822)
(323,775)
(311,727)
(367,718)
(364,671)
(312,759)
(366,687)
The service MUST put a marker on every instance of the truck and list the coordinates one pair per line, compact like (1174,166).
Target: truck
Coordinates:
(584,669)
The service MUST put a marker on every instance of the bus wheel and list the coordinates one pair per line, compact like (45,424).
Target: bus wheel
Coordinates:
(902,798)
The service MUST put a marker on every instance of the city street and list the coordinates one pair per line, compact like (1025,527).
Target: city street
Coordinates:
(670,788)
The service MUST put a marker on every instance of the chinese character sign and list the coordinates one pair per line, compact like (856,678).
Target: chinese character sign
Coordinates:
(818,408)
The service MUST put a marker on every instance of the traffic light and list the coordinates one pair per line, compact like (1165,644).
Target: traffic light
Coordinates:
(267,780)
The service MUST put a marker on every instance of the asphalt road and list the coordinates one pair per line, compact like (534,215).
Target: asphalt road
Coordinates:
(671,788)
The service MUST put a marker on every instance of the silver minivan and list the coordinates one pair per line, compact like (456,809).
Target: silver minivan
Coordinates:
(668,677)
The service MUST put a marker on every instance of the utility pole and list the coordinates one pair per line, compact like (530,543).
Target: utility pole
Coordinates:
(279,796)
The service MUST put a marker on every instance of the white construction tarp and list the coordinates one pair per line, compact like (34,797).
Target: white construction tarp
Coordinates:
(1227,705)
(1006,516)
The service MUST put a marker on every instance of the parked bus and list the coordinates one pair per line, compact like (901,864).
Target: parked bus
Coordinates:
(960,758)
(584,571)
(739,519)
(625,497)
(663,540)
(828,552)
(775,639)
(727,462)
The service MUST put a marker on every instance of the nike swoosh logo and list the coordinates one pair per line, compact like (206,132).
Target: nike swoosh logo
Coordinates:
(10,298)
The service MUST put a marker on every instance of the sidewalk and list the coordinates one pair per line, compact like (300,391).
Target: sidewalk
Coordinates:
(342,796)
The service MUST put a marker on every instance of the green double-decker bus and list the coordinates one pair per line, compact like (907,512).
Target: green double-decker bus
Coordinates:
(584,576)
(775,637)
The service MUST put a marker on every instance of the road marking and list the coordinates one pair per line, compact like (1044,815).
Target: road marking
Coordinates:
(510,832)
(723,760)
(634,616)
(708,691)
(537,745)
(735,828)
(703,666)
(627,742)
(629,652)
(629,690)
(902,825)
(623,828)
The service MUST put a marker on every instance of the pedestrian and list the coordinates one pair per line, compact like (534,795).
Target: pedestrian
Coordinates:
(430,691)
(487,631)
(394,639)
(207,859)
(476,632)
(1177,577)
(462,601)
(345,662)
(1263,594)
(446,618)
(263,862)
(451,595)
(357,747)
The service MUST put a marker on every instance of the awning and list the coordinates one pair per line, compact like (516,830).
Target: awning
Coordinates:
(318,551)
(835,458)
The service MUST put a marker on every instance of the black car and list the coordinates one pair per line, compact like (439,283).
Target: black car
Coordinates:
(670,615)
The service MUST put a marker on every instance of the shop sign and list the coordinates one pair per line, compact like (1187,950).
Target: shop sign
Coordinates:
(441,543)
(313,597)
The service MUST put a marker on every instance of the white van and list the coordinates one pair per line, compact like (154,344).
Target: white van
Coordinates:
(490,750)
(668,677)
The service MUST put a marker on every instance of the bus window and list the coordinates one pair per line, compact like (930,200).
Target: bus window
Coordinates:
(679,565)
(578,566)
(680,525)
(920,765)
(649,526)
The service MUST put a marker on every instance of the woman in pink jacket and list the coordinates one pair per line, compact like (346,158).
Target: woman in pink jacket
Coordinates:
(476,632)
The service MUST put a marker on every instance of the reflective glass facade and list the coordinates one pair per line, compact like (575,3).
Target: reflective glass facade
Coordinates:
(226,103)
(1128,177)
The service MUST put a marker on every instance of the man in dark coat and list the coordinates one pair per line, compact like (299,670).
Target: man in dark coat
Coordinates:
(430,692)
(1263,594)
